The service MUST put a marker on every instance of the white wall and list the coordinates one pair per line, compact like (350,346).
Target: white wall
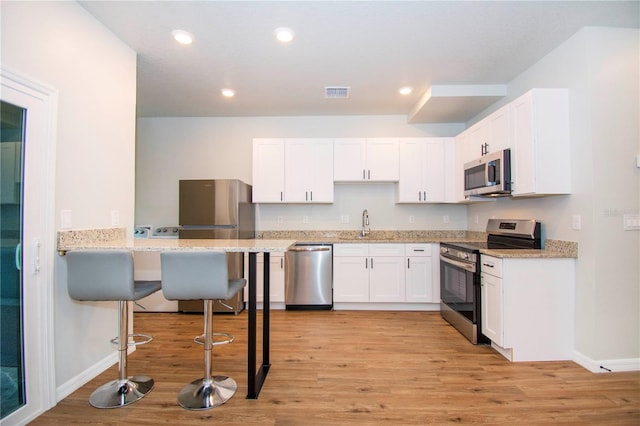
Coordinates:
(170,149)
(600,66)
(62,46)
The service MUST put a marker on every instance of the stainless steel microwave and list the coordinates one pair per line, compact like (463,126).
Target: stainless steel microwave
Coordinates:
(489,175)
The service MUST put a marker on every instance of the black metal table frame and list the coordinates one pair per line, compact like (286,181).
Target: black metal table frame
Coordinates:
(255,380)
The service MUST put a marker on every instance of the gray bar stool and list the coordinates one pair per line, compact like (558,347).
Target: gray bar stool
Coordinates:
(107,275)
(193,276)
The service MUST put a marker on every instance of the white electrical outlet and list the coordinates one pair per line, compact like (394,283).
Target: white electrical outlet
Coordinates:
(631,222)
(412,219)
(305,219)
(445,219)
(280,220)
(115,217)
(476,219)
(65,219)
(344,218)
(576,222)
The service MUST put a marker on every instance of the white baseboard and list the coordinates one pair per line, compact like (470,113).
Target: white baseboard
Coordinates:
(75,383)
(354,306)
(608,365)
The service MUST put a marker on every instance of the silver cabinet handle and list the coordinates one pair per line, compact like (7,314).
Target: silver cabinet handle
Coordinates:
(281,196)
(408,263)
(369,174)
(311,192)
(488,265)
(364,176)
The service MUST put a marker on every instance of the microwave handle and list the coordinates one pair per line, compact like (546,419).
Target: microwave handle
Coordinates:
(491,173)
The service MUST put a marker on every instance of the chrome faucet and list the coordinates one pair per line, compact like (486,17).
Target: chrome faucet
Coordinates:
(365,223)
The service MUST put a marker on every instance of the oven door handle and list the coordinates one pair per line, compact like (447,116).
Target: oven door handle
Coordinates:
(464,265)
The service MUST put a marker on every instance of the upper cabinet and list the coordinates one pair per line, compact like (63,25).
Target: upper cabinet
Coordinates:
(308,170)
(540,155)
(366,160)
(293,171)
(426,165)
(268,171)
(490,135)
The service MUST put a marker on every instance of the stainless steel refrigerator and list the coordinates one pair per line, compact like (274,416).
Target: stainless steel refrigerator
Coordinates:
(217,209)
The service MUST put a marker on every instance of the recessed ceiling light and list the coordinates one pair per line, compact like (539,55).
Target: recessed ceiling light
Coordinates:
(182,37)
(228,93)
(406,90)
(284,35)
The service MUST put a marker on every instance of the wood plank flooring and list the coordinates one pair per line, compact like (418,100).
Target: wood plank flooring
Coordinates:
(348,367)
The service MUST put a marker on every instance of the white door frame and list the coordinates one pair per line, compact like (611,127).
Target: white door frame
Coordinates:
(39,239)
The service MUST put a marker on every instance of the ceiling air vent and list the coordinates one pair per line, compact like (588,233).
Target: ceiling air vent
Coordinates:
(336,92)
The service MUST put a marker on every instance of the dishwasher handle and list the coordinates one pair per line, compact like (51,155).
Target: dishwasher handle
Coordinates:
(309,248)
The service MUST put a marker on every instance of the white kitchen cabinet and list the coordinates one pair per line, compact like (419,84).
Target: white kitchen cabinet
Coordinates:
(276,279)
(492,307)
(528,307)
(368,273)
(293,171)
(540,157)
(366,160)
(424,169)
(386,273)
(419,282)
(351,273)
(308,171)
(268,171)
(490,134)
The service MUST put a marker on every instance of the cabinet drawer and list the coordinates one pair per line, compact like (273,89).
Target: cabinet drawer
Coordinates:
(491,265)
(350,250)
(417,250)
(386,249)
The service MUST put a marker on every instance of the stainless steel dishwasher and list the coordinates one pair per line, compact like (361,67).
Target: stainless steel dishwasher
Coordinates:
(308,277)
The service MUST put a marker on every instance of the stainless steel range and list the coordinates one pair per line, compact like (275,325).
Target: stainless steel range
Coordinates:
(460,272)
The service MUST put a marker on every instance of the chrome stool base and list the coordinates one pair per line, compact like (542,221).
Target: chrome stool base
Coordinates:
(117,393)
(199,395)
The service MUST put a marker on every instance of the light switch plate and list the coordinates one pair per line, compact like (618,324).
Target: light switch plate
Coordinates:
(576,222)
(65,219)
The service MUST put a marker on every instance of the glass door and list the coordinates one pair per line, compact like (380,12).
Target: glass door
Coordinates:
(12,372)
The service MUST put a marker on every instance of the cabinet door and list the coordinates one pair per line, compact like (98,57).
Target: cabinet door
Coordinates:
(523,158)
(478,136)
(349,160)
(308,170)
(434,170)
(268,171)
(276,277)
(500,135)
(418,280)
(411,183)
(321,162)
(382,160)
(351,279)
(492,308)
(387,279)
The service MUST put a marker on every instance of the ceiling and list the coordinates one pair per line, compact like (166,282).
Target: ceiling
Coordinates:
(458,56)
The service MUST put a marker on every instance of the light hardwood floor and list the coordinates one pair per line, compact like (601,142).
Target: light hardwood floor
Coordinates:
(344,367)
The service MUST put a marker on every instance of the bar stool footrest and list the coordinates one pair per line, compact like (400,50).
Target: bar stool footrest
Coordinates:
(229,338)
(147,339)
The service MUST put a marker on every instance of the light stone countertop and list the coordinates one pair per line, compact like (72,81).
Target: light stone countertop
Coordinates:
(115,238)
(280,241)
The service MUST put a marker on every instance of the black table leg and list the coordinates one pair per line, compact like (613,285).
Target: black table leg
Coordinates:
(255,381)
(251,345)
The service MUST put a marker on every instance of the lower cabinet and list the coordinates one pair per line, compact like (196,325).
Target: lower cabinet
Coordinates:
(528,307)
(384,273)
(421,284)
(276,279)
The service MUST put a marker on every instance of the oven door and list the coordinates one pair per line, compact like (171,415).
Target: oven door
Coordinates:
(459,283)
